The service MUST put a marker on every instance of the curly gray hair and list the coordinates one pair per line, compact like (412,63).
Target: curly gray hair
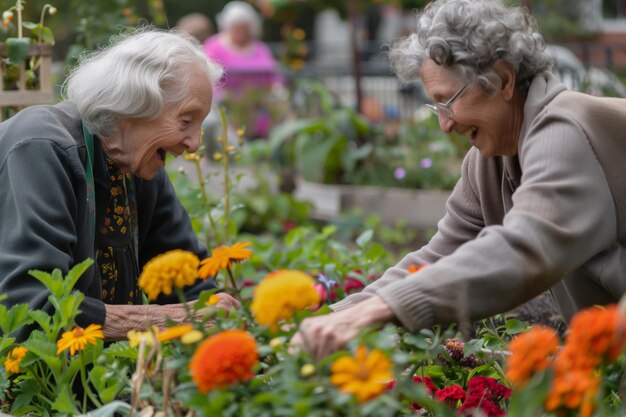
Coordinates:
(136,76)
(469,36)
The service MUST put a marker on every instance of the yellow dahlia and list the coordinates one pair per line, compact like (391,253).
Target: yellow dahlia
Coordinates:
(365,375)
(223,257)
(223,359)
(282,293)
(14,359)
(176,268)
(77,339)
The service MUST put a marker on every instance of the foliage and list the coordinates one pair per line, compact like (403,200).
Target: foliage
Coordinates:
(328,143)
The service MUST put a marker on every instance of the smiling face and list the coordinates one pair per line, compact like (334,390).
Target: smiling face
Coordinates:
(492,121)
(141,145)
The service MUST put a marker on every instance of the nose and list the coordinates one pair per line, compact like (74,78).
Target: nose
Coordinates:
(445,123)
(192,142)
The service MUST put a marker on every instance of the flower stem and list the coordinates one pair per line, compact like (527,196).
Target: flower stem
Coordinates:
(224,140)
(205,198)
(87,390)
(183,299)
(233,282)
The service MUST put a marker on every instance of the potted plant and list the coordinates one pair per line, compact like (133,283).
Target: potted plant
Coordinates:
(26,61)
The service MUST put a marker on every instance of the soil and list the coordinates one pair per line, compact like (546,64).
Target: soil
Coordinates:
(541,310)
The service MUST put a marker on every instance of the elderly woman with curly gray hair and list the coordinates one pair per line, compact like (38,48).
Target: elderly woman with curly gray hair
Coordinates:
(541,203)
(85,179)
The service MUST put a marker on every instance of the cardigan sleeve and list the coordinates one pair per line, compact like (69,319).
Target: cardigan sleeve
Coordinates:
(40,223)
(562,216)
(462,222)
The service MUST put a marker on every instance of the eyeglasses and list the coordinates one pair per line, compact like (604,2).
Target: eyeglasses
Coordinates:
(445,109)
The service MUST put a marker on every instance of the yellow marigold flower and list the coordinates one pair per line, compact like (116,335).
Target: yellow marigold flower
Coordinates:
(223,359)
(14,359)
(176,268)
(282,293)
(192,337)
(213,300)
(276,342)
(307,370)
(365,375)
(134,336)
(223,257)
(174,332)
(531,353)
(76,340)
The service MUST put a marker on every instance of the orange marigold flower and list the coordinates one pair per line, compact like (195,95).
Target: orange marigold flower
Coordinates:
(223,359)
(14,358)
(531,352)
(282,293)
(223,257)
(598,333)
(576,389)
(78,338)
(174,332)
(176,268)
(365,375)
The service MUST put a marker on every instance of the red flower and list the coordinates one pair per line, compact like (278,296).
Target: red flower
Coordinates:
(490,388)
(351,285)
(450,395)
(428,383)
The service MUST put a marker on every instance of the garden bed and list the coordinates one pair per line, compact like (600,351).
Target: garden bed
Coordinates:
(419,208)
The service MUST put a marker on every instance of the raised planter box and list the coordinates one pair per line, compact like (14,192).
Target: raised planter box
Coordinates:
(16,99)
(419,208)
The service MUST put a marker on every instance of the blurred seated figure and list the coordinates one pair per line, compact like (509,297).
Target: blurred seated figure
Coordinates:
(252,75)
(197,25)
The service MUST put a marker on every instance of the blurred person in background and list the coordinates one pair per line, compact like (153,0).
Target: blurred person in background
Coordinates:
(251,72)
(197,25)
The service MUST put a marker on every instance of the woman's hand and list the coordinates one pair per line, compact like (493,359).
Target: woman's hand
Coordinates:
(323,335)
(121,318)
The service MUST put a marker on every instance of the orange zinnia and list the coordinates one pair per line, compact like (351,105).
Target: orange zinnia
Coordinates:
(223,257)
(366,375)
(530,353)
(78,338)
(223,359)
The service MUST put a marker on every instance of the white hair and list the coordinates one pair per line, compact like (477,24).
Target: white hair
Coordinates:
(239,11)
(136,76)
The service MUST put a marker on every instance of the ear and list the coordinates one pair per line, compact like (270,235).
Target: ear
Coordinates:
(507,76)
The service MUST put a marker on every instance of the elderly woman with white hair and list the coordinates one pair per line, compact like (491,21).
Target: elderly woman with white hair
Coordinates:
(541,203)
(85,179)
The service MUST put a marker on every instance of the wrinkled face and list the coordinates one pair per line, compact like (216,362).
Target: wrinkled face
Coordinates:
(489,120)
(142,144)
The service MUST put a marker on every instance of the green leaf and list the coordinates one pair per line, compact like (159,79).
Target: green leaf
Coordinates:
(514,326)
(375,252)
(364,238)
(30,25)
(473,346)
(49,280)
(112,409)
(64,401)
(42,319)
(47,36)
(121,350)
(14,318)
(17,49)
(39,344)
(75,273)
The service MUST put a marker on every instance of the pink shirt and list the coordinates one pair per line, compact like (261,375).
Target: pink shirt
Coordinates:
(254,67)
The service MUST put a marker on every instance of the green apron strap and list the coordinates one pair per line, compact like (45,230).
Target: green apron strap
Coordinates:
(91,193)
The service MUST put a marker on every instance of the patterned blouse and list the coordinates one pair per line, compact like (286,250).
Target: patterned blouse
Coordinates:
(116,255)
